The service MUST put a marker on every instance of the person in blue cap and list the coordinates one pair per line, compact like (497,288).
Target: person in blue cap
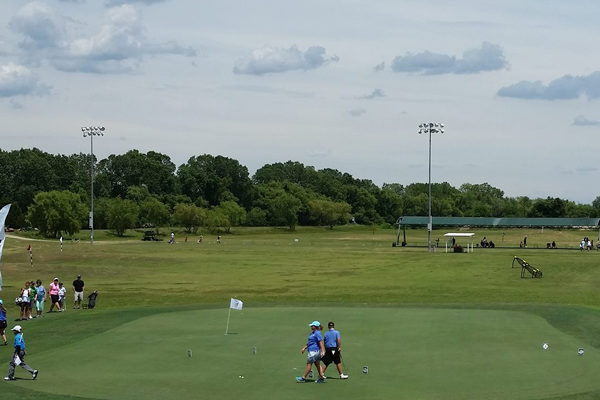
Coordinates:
(316,350)
(18,358)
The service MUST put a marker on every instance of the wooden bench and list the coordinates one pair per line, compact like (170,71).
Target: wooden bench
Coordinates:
(525,266)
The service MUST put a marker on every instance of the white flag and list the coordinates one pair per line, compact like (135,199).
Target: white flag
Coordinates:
(3,214)
(236,304)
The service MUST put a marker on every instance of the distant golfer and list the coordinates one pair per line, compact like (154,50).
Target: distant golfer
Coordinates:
(18,357)
(333,350)
(316,350)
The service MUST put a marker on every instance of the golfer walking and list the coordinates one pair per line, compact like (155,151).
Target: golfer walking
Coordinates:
(333,349)
(316,350)
(18,357)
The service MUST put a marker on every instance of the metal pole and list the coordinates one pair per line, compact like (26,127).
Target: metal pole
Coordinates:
(91,131)
(92,189)
(429,128)
(430,219)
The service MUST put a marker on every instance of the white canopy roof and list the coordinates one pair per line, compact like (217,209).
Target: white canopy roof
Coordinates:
(459,234)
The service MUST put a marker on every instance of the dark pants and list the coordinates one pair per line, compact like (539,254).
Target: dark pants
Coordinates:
(11,369)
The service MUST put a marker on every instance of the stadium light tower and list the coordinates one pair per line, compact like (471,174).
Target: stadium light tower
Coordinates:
(429,128)
(92,131)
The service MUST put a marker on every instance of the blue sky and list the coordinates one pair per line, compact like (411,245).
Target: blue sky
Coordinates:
(333,84)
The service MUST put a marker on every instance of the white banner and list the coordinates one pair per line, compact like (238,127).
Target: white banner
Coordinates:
(236,304)
(3,214)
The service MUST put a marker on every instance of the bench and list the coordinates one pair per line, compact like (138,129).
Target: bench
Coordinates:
(525,266)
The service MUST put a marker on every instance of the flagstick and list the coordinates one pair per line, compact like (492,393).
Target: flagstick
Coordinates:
(228,315)
(31,258)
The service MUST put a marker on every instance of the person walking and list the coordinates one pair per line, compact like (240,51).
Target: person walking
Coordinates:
(40,297)
(3,323)
(316,350)
(32,293)
(18,357)
(333,349)
(24,304)
(62,292)
(78,287)
(53,289)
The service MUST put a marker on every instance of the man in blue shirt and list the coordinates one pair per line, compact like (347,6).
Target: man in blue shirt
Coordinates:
(333,350)
(315,352)
(18,357)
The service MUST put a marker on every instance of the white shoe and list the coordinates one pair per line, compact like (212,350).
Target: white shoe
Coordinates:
(342,376)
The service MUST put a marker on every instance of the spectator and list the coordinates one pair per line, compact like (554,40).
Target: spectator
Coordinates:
(24,297)
(62,291)
(40,298)
(32,292)
(53,288)
(3,322)
(78,287)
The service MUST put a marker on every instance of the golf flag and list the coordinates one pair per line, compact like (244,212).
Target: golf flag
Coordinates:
(3,214)
(236,304)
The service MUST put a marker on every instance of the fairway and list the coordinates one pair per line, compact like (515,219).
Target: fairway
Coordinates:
(423,353)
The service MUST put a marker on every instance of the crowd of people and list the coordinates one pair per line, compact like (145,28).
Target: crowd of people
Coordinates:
(322,348)
(587,244)
(33,296)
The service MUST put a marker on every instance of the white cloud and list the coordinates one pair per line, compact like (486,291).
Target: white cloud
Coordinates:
(111,3)
(119,46)
(18,80)
(40,27)
(379,67)
(580,120)
(357,112)
(565,87)
(374,94)
(275,60)
(489,57)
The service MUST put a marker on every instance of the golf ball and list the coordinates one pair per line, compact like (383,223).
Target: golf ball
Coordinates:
(545,346)
(580,351)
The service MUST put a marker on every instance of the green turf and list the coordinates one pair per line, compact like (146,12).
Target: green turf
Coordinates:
(463,300)
(411,353)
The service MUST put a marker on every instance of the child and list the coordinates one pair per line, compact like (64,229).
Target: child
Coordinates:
(62,291)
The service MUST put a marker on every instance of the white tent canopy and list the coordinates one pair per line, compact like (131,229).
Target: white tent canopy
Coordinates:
(461,234)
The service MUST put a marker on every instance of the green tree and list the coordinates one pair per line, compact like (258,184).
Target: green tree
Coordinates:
(56,211)
(216,219)
(329,213)
(233,212)
(256,217)
(154,170)
(122,215)
(154,212)
(215,179)
(190,216)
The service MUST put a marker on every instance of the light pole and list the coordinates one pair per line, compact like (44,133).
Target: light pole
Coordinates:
(92,131)
(424,128)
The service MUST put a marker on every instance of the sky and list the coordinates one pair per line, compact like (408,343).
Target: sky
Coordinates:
(331,84)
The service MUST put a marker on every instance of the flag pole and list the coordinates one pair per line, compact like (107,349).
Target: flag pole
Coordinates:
(228,315)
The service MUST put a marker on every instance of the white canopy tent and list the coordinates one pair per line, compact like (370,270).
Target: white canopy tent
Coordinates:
(460,234)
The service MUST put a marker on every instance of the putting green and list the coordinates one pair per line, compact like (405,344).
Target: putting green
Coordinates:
(412,353)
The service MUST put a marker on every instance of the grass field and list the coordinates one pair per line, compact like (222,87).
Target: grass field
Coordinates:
(429,326)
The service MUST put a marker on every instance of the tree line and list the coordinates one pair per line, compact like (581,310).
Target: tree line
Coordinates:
(51,192)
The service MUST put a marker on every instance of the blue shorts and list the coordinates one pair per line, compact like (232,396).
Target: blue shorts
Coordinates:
(313,357)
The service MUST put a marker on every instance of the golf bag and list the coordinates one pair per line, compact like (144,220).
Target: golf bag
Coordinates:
(92,300)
